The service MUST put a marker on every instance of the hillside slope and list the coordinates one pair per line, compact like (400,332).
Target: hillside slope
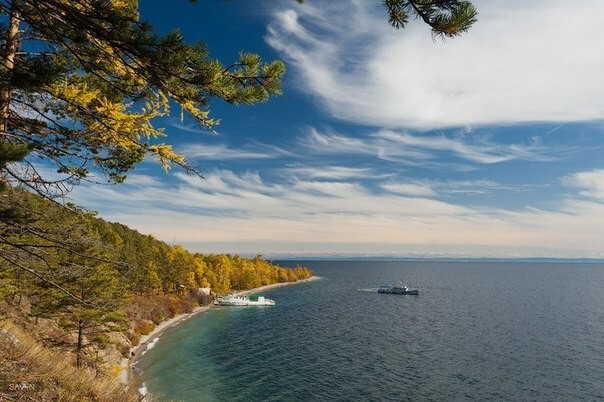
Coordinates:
(77,291)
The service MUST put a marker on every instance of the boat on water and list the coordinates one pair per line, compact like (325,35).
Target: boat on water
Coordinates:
(397,289)
(252,300)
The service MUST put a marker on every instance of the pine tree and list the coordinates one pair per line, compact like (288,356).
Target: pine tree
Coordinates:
(102,293)
(82,80)
(446,18)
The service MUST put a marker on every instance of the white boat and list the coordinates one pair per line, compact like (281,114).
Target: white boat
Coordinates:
(253,300)
(231,300)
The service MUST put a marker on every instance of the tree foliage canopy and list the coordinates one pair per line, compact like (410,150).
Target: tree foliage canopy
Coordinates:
(447,18)
(81,82)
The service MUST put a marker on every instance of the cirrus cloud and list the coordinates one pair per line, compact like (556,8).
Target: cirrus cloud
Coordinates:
(523,61)
(238,209)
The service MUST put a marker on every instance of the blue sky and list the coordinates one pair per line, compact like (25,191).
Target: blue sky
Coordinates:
(387,142)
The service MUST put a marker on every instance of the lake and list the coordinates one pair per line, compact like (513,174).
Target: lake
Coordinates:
(477,331)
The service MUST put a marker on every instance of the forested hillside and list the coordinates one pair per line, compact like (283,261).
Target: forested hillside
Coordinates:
(91,288)
(154,267)
(49,251)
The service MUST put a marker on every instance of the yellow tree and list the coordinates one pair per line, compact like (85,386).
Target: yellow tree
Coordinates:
(81,82)
(199,269)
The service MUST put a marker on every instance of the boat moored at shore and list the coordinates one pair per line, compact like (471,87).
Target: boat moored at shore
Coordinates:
(253,300)
(397,289)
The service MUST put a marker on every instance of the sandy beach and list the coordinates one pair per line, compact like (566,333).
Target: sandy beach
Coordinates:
(148,341)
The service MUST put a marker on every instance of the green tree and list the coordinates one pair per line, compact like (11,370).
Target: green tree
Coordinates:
(82,80)
(102,293)
(33,231)
(447,18)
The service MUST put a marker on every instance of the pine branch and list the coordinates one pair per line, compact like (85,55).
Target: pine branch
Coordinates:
(44,279)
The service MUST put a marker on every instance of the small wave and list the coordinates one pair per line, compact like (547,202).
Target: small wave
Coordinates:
(152,344)
(368,290)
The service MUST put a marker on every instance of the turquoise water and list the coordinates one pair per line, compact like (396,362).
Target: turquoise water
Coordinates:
(478,331)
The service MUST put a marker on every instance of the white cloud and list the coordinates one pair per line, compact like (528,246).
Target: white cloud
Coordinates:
(590,183)
(410,189)
(143,180)
(223,152)
(523,61)
(439,188)
(331,172)
(453,187)
(415,150)
(231,208)
(328,189)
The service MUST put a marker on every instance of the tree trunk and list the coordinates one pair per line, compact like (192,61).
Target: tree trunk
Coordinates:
(8,61)
(80,341)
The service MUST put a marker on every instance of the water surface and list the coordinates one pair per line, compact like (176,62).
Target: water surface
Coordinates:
(478,331)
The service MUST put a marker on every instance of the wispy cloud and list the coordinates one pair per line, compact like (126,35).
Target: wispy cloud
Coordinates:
(233,208)
(224,152)
(332,172)
(440,188)
(410,189)
(424,149)
(503,71)
(188,127)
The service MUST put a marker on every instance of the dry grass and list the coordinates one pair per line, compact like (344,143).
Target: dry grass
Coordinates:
(30,371)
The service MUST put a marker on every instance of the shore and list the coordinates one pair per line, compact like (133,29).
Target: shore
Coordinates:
(148,341)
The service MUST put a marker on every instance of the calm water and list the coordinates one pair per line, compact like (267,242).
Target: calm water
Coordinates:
(478,331)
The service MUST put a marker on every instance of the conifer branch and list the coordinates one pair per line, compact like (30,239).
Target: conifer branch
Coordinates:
(44,279)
